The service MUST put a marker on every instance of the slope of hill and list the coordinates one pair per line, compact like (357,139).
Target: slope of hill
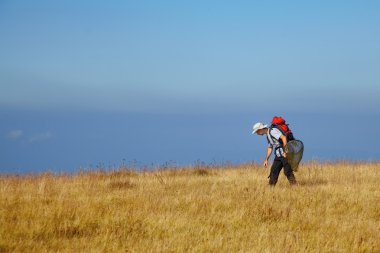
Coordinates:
(334,208)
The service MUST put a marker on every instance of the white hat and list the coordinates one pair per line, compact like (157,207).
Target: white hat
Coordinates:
(258,126)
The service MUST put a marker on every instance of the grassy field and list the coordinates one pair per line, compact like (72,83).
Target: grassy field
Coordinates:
(334,208)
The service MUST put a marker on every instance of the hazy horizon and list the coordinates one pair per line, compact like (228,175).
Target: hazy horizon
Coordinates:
(85,83)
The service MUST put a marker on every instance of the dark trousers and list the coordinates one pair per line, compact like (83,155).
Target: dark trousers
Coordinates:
(278,164)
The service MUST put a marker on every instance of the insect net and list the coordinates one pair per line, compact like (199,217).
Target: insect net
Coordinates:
(294,153)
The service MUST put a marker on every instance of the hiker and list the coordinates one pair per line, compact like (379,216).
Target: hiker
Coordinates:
(277,140)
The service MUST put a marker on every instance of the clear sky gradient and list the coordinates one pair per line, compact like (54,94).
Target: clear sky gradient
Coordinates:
(88,82)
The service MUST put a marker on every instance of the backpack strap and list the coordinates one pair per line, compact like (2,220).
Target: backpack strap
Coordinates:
(270,135)
(277,150)
(279,128)
(289,135)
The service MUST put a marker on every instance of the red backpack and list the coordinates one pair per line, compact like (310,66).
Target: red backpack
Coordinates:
(281,125)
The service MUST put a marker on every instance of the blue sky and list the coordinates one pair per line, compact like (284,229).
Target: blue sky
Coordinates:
(192,76)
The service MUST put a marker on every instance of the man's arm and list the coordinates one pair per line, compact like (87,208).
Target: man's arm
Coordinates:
(284,141)
(269,152)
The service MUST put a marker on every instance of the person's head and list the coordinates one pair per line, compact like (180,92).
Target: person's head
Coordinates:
(259,128)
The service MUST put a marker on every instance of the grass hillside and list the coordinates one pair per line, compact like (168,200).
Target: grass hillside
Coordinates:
(334,208)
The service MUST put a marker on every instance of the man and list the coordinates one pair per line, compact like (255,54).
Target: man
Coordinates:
(277,141)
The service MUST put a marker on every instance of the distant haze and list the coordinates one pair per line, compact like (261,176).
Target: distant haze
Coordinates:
(88,83)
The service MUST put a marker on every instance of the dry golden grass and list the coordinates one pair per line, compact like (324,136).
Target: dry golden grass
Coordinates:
(335,208)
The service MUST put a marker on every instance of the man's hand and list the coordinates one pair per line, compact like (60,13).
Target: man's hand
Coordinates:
(269,152)
(284,155)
